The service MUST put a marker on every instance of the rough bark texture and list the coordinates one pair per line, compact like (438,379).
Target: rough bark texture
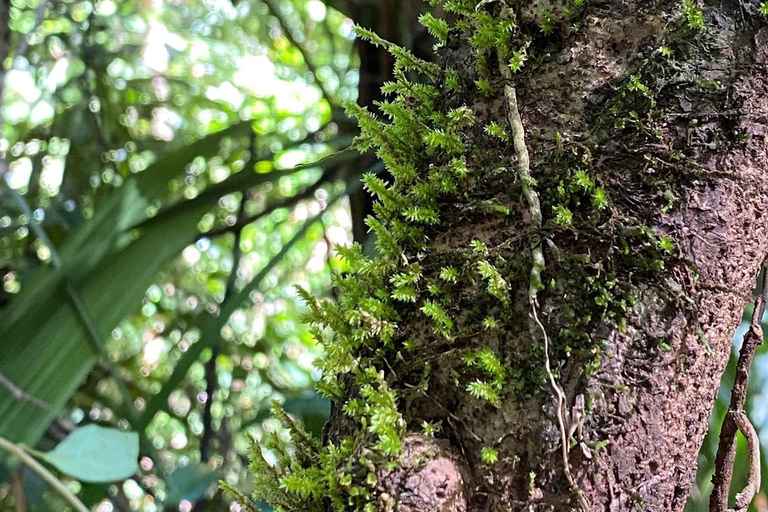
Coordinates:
(431,477)
(700,151)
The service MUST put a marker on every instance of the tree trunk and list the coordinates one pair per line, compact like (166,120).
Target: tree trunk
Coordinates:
(700,148)
(599,254)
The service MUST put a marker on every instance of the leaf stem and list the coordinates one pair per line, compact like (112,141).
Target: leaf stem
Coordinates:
(46,475)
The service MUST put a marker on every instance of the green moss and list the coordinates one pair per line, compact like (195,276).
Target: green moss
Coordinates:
(452,81)
(490,455)
(494,129)
(430,428)
(693,16)
(435,26)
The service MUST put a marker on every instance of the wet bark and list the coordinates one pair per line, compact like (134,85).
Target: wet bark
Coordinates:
(691,166)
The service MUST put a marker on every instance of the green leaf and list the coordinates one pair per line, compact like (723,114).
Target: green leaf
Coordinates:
(189,482)
(110,261)
(96,454)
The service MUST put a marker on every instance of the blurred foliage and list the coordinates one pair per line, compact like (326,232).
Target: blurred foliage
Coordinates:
(154,217)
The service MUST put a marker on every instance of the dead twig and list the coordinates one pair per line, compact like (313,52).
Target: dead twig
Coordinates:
(747,494)
(20,394)
(736,419)
(17,486)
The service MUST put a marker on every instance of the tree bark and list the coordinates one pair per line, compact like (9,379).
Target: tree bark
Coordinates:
(682,157)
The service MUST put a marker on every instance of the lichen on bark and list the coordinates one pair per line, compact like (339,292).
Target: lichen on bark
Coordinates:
(644,125)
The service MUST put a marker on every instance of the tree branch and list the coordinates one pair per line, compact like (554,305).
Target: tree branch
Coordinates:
(735,419)
(24,43)
(17,484)
(20,394)
(274,10)
(46,475)
(752,487)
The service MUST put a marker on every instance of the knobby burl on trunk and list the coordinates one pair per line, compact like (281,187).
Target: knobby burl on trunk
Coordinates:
(644,123)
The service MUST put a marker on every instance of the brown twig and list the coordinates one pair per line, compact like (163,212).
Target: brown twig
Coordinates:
(735,419)
(747,494)
(17,485)
(20,394)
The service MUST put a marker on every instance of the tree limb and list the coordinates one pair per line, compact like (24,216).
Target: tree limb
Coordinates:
(46,475)
(736,419)
(20,394)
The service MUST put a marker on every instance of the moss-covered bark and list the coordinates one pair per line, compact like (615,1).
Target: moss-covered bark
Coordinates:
(575,223)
